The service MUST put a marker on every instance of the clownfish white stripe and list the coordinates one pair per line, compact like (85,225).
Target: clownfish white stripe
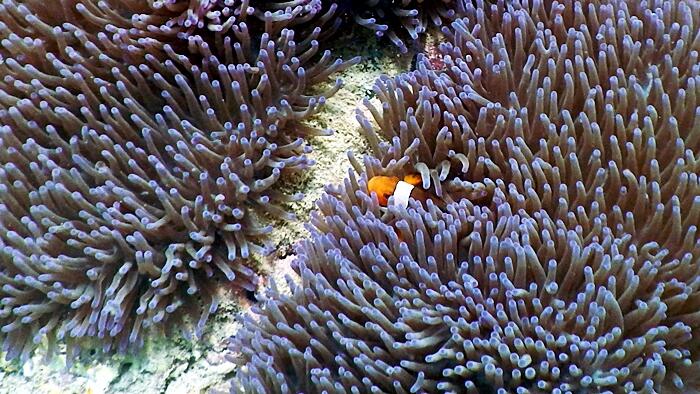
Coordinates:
(402,193)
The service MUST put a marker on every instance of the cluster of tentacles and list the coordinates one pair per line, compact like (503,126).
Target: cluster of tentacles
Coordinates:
(137,163)
(581,120)
(399,21)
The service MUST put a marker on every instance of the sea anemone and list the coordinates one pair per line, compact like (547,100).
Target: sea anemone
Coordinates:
(193,15)
(132,169)
(203,17)
(400,21)
(582,122)
(396,20)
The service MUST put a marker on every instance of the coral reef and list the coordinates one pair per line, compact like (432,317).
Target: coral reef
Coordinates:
(135,163)
(581,121)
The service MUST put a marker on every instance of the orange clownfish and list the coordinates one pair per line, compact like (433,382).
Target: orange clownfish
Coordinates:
(403,190)
(388,186)
(410,187)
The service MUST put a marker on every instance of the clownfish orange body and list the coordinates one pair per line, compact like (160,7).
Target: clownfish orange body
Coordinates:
(402,190)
